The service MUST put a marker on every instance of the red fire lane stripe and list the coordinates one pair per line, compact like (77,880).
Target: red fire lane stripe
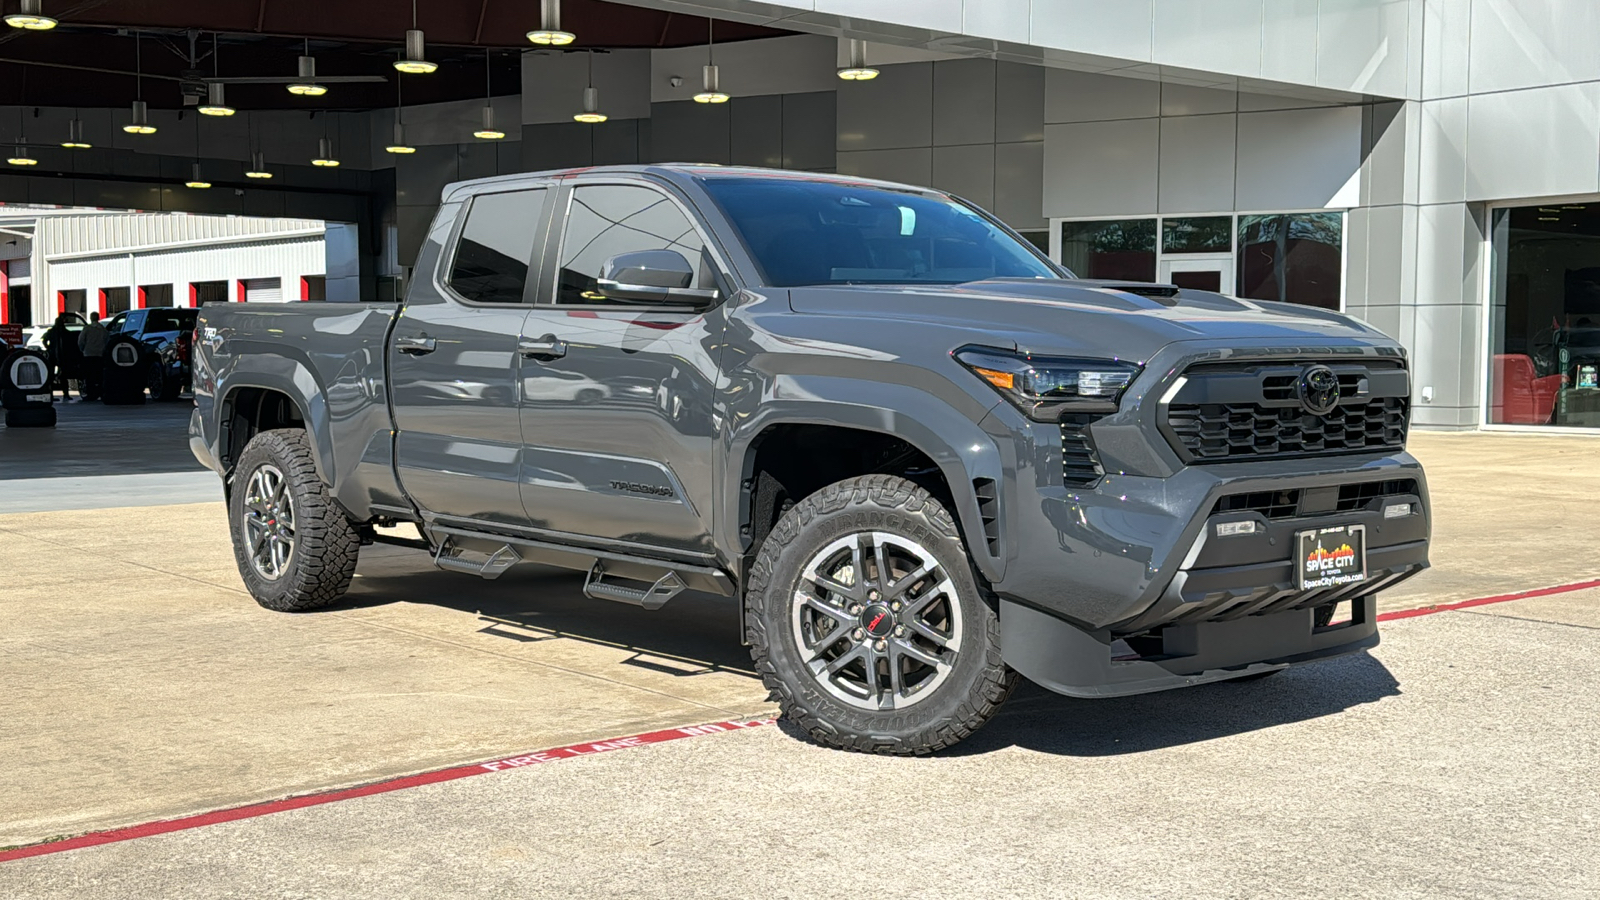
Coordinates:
(554,754)
(1485,601)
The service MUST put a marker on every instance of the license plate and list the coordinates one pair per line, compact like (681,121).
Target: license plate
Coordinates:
(38,398)
(1331,557)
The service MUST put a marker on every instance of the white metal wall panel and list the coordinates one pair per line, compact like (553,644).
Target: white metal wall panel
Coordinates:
(288,260)
(71,235)
(21,271)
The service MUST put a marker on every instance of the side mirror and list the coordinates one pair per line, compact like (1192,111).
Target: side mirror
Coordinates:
(652,276)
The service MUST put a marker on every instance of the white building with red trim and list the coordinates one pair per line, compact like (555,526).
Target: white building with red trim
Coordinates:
(75,260)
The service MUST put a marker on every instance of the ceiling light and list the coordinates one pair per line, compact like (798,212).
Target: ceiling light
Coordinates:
(31,17)
(591,108)
(415,62)
(258,166)
(711,93)
(216,105)
(140,123)
(324,154)
(22,158)
(591,113)
(858,70)
(307,85)
(75,139)
(195,181)
(488,132)
(550,33)
(399,145)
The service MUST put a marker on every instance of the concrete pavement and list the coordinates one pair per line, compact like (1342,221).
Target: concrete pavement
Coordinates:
(1458,760)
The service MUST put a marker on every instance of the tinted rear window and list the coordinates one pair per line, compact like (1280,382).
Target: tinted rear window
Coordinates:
(169,320)
(818,232)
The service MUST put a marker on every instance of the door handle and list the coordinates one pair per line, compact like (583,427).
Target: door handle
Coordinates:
(547,347)
(416,346)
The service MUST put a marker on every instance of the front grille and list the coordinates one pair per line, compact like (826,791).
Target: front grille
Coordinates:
(1252,411)
(1314,501)
(1080,465)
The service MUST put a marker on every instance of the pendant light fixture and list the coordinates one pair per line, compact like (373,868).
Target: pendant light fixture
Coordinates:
(415,61)
(488,132)
(31,17)
(215,105)
(590,114)
(22,157)
(711,92)
(858,70)
(258,160)
(306,85)
(325,158)
(549,33)
(258,166)
(75,139)
(140,123)
(399,145)
(196,180)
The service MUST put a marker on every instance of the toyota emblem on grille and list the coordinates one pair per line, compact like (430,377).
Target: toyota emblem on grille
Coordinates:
(1319,390)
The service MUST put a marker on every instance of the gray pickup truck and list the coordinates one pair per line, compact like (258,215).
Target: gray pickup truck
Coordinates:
(923,457)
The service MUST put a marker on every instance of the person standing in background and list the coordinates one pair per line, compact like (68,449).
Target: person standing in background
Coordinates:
(55,341)
(92,341)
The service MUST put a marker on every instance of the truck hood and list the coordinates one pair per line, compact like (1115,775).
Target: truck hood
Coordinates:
(1093,317)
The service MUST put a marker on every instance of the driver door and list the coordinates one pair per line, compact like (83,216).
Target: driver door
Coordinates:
(618,396)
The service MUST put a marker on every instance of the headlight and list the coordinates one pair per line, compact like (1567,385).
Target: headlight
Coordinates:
(1046,387)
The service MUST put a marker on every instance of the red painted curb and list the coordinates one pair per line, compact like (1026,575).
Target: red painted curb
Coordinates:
(1485,601)
(555,754)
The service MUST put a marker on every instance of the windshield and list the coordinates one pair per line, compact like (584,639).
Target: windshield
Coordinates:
(818,232)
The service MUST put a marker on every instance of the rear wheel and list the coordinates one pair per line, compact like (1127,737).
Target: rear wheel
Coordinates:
(866,620)
(294,547)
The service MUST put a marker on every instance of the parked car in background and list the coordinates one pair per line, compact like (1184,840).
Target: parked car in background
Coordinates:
(168,334)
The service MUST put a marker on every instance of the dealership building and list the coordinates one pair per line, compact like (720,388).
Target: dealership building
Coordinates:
(1431,166)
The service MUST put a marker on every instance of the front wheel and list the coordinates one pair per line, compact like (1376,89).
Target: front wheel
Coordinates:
(865,618)
(295,549)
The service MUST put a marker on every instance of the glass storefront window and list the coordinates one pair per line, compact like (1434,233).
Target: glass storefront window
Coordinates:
(1544,318)
(1207,234)
(1294,257)
(1120,249)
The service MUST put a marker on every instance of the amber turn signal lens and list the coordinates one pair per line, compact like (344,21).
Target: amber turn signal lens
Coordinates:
(1002,380)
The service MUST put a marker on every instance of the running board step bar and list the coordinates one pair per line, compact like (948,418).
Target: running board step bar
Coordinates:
(489,555)
(653,597)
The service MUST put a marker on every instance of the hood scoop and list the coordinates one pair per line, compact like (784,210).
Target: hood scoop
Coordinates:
(1133,287)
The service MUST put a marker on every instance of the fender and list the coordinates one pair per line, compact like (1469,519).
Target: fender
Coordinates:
(273,368)
(962,451)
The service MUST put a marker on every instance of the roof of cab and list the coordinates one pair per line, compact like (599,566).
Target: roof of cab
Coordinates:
(677,171)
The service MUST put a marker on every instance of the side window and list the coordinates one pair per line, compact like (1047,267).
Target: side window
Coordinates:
(491,261)
(608,219)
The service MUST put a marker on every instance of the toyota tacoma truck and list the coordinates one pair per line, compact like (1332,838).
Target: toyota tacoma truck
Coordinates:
(922,457)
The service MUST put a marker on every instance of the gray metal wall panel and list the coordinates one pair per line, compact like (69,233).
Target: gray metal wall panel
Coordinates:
(1362,46)
(1018,103)
(1019,184)
(966,171)
(1533,143)
(615,142)
(1518,43)
(1218,35)
(1001,20)
(911,166)
(893,110)
(686,131)
(1197,163)
(1296,159)
(757,131)
(810,130)
(1101,168)
(1121,29)
(963,102)
(1086,97)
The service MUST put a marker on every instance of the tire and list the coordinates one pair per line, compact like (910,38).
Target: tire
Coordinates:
(124,372)
(155,381)
(26,371)
(33,417)
(320,558)
(933,706)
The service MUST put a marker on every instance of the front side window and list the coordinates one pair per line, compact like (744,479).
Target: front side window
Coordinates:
(607,219)
(821,232)
(496,247)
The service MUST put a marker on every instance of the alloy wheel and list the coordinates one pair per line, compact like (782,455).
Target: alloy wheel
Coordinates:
(269,526)
(877,620)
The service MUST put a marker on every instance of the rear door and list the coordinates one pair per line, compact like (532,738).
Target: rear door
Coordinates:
(619,426)
(453,358)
